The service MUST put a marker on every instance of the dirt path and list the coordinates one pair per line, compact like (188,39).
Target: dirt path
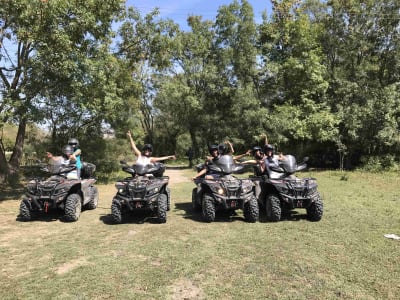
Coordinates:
(177,176)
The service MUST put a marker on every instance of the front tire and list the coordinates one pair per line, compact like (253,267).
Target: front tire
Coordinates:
(273,208)
(94,197)
(195,204)
(116,212)
(25,213)
(315,210)
(162,206)
(73,207)
(251,211)
(169,198)
(208,208)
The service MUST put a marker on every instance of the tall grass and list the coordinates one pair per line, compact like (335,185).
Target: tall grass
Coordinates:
(344,256)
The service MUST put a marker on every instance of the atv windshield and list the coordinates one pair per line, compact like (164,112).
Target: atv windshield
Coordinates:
(145,169)
(224,164)
(289,164)
(59,166)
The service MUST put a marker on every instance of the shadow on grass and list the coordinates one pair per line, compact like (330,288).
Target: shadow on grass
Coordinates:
(290,216)
(220,216)
(133,217)
(50,216)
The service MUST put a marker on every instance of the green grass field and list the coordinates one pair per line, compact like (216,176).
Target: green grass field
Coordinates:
(344,256)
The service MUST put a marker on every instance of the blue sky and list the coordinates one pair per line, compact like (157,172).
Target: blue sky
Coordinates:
(179,10)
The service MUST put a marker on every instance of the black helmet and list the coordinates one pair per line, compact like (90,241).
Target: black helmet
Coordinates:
(269,147)
(73,142)
(211,148)
(147,147)
(222,149)
(68,150)
(255,149)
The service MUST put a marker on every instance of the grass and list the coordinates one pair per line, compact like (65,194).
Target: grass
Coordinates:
(344,256)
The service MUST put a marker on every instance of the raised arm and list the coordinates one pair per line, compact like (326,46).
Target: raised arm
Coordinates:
(133,145)
(155,159)
(230,146)
(236,157)
(264,136)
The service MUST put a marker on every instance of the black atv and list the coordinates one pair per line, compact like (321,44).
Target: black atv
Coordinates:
(282,191)
(60,191)
(145,189)
(225,193)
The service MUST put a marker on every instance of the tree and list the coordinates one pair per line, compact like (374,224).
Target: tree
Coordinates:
(145,50)
(49,51)
(296,79)
(361,44)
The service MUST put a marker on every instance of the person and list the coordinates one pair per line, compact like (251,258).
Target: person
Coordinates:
(74,143)
(215,153)
(66,159)
(144,157)
(258,163)
(190,154)
(271,159)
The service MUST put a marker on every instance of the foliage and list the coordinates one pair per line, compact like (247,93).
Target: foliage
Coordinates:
(379,163)
(313,73)
(54,62)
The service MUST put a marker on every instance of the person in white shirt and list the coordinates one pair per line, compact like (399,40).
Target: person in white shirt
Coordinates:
(144,157)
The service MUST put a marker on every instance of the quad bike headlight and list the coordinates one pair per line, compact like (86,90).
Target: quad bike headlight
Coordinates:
(153,191)
(217,189)
(120,187)
(246,189)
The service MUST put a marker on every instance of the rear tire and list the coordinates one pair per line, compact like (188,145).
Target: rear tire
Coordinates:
(169,198)
(116,212)
(251,211)
(94,197)
(195,204)
(273,208)
(208,208)
(25,210)
(162,206)
(73,207)
(315,210)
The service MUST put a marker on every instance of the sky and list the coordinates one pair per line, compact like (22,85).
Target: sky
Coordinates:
(179,10)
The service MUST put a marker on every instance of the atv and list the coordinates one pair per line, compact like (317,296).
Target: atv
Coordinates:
(282,191)
(146,189)
(225,193)
(60,191)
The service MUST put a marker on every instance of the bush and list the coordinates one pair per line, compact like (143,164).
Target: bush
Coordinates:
(379,163)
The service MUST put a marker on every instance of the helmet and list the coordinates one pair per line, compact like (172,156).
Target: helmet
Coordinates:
(222,149)
(73,142)
(68,150)
(147,147)
(255,149)
(211,148)
(267,148)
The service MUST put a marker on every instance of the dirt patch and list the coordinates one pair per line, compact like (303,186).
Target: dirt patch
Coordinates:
(69,266)
(184,289)
(176,176)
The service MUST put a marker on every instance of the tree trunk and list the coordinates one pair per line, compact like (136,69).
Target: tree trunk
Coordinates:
(16,157)
(194,143)
(3,165)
